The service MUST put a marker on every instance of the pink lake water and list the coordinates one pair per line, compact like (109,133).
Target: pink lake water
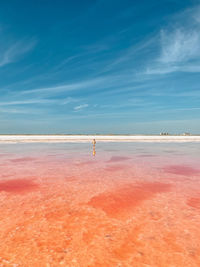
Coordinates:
(132,204)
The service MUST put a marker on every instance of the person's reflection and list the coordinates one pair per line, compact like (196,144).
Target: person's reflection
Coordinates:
(94,143)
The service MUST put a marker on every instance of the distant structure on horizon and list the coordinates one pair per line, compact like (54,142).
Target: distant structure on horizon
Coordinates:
(164,134)
(186,134)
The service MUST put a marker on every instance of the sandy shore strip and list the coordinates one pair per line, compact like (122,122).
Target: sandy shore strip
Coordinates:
(99,138)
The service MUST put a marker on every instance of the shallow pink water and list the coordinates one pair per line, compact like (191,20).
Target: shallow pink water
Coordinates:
(133,204)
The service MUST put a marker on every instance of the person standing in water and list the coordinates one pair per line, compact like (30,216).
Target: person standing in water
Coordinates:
(94,143)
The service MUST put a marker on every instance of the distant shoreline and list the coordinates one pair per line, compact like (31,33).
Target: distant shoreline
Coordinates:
(99,138)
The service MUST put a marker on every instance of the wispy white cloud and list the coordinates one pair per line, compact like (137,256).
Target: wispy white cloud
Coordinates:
(65,62)
(15,51)
(196,14)
(64,88)
(69,100)
(26,102)
(20,110)
(179,46)
(80,107)
(135,103)
(24,106)
(160,70)
(129,53)
(101,83)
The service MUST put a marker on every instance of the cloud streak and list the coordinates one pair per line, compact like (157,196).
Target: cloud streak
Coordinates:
(80,107)
(26,102)
(15,51)
(65,87)
(179,46)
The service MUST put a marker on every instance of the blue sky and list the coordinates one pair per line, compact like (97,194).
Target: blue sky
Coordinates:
(99,66)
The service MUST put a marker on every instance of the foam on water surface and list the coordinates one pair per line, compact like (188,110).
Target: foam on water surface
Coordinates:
(133,204)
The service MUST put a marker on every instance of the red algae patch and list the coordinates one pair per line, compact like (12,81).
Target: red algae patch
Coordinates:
(83,163)
(181,170)
(115,168)
(118,158)
(18,186)
(194,202)
(125,199)
(23,159)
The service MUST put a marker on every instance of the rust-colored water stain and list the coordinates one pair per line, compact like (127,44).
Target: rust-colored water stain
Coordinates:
(18,186)
(114,168)
(24,159)
(83,163)
(194,202)
(118,158)
(126,198)
(181,170)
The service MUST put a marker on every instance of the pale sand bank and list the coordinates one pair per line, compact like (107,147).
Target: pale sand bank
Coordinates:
(99,138)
